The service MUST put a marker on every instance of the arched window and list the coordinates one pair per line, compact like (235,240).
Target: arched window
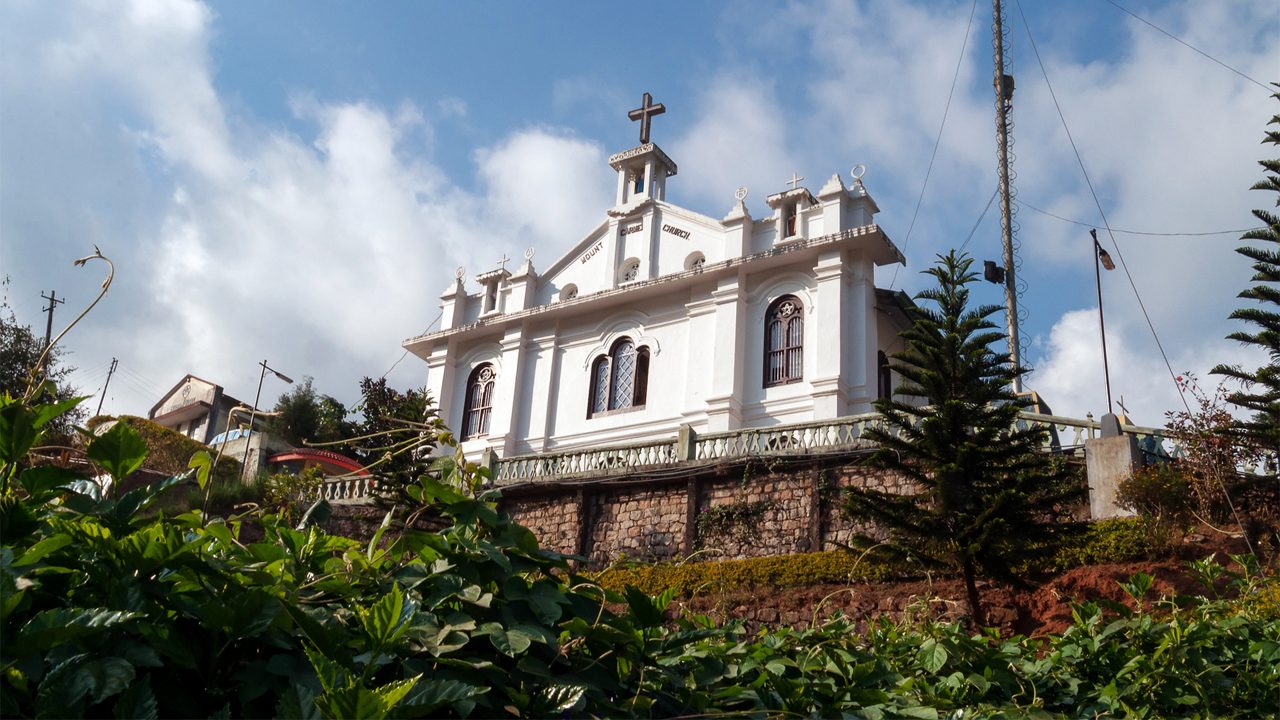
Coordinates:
(884,380)
(620,379)
(784,341)
(479,402)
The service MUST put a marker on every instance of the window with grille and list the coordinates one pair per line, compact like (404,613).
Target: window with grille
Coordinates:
(479,402)
(620,379)
(784,341)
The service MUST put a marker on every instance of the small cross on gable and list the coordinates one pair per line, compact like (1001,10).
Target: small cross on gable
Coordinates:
(502,262)
(794,182)
(645,114)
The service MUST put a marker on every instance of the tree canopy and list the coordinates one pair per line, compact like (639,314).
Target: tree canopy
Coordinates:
(1260,391)
(983,498)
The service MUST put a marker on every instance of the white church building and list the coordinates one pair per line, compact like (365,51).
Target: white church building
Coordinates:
(661,316)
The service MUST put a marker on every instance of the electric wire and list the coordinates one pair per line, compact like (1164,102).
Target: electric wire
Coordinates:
(938,140)
(1180,41)
(974,229)
(1172,375)
(405,354)
(1135,232)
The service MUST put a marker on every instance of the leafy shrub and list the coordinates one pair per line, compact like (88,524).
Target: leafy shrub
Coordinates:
(289,493)
(1160,492)
(718,576)
(168,451)
(1114,540)
(106,612)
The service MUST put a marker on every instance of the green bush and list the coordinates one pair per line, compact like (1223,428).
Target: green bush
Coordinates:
(1114,540)
(719,576)
(107,612)
(1160,492)
(289,493)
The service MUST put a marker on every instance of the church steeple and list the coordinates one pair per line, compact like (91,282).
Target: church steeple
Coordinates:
(643,170)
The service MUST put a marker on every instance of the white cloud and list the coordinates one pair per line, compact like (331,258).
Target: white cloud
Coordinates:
(319,252)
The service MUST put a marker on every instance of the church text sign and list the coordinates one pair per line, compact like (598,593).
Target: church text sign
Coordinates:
(635,228)
(594,249)
(676,231)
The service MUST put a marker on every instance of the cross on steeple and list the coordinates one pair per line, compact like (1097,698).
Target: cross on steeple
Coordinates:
(645,114)
(795,180)
(502,262)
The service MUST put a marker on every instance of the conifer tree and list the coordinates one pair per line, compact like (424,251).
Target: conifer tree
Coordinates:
(984,498)
(1260,391)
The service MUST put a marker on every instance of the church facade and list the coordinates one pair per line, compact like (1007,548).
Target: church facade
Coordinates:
(661,316)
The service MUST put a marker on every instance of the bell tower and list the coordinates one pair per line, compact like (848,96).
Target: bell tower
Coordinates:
(643,170)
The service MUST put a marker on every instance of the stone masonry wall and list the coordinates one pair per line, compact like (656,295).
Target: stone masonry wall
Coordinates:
(638,524)
(552,518)
(723,512)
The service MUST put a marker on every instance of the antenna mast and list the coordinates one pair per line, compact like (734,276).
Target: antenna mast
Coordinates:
(1004,105)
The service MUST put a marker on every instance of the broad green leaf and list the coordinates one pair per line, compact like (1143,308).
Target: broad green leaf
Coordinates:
(137,701)
(931,656)
(120,451)
(431,694)
(511,642)
(202,463)
(392,693)
(45,413)
(37,552)
(110,675)
(386,619)
(17,432)
(352,703)
(52,628)
(565,698)
(298,701)
(40,482)
(332,676)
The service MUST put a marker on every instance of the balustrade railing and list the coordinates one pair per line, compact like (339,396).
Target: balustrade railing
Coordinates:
(598,460)
(789,439)
(1065,435)
(348,489)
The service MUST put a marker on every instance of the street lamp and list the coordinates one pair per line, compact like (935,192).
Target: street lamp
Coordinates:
(253,413)
(1102,259)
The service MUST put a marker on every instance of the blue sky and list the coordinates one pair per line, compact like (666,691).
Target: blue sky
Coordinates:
(297,181)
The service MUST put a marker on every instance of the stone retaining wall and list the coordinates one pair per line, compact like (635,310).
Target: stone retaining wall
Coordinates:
(746,509)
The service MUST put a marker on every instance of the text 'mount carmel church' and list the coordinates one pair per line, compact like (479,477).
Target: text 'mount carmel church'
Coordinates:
(661,316)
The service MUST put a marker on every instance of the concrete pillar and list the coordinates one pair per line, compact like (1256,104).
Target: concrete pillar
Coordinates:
(1108,460)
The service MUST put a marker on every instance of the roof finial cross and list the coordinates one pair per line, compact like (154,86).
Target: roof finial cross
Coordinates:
(795,180)
(502,262)
(645,114)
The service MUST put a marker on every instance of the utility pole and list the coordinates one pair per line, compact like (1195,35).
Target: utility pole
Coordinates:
(105,385)
(1004,104)
(54,302)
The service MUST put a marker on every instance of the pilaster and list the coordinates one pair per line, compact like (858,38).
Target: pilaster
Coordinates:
(826,335)
(724,405)
(502,423)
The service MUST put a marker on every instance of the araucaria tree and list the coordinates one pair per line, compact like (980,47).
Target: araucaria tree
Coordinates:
(1260,392)
(984,499)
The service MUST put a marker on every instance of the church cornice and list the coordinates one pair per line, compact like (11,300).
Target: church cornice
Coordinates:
(616,160)
(889,253)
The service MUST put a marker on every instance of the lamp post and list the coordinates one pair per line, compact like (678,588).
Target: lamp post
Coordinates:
(1102,259)
(244,463)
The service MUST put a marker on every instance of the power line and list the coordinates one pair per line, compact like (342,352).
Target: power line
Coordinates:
(974,229)
(405,354)
(1172,376)
(1134,232)
(1180,41)
(937,141)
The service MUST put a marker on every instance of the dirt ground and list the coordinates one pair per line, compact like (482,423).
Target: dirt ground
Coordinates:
(1041,610)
